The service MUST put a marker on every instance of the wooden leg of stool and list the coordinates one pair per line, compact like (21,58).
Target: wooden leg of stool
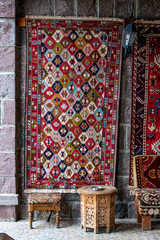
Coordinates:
(139,219)
(146,223)
(30,219)
(57,218)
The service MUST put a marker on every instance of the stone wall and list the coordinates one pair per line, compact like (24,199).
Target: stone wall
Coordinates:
(8,196)
(99,8)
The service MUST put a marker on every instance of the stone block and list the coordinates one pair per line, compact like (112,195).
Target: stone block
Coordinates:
(105,8)
(121,210)
(126,83)
(30,7)
(7,32)
(123,193)
(127,65)
(20,113)
(7,162)
(8,112)
(132,212)
(75,209)
(7,56)
(70,197)
(8,199)
(20,162)
(65,210)
(7,185)
(86,8)
(123,160)
(21,36)
(20,85)
(7,138)
(7,213)
(126,86)
(148,9)
(124,8)
(64,8)
(22,211)
(7,83)
(21,59)
(7,8)
(20,186)
(125,111)
(128,138)
(121,137)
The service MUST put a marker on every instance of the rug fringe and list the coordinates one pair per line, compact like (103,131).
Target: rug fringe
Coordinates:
(147,21)
(75,18)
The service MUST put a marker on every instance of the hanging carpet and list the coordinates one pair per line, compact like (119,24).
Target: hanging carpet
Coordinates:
(72,100)
(145,121)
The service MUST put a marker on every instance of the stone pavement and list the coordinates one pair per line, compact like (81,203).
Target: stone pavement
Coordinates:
(126,229)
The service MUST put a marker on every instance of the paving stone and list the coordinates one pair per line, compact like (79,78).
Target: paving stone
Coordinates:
(64,8)
(86,8)
(105,8)
(7,8)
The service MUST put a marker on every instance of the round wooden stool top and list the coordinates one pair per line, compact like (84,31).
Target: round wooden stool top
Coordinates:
(99,189)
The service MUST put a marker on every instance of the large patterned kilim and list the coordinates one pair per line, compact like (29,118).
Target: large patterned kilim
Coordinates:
(72,101)
(145,129)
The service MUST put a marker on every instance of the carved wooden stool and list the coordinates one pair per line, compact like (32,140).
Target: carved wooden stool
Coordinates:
(97,207)
(41,202)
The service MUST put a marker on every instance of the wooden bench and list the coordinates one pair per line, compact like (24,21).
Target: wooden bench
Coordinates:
(44,202)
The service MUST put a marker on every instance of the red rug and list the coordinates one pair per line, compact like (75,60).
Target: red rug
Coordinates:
(145,129)
(72,102)
(146,171)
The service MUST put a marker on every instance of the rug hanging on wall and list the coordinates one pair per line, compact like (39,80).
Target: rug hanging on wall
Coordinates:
(72,100)
(145,121)
(146,171)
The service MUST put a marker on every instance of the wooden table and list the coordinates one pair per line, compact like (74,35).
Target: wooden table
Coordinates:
(97,208)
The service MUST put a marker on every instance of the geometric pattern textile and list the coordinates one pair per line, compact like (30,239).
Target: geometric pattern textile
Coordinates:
(146,171)
(72,100)
(145,121)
